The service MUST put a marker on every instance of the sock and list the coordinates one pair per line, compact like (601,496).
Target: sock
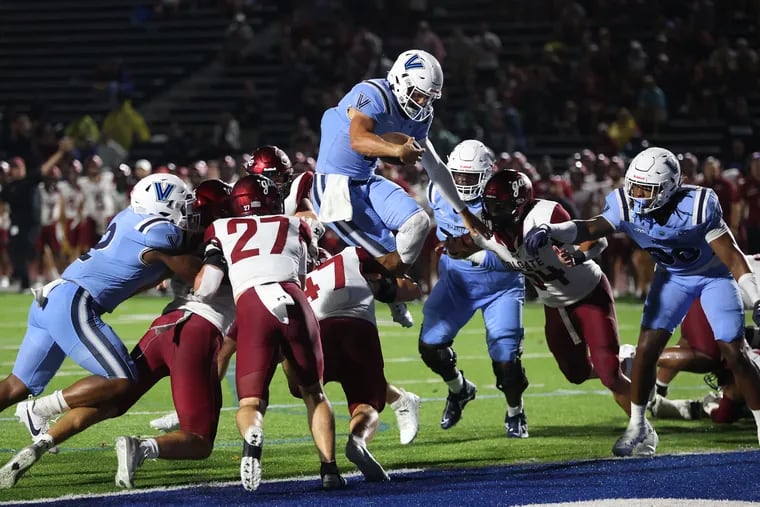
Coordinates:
(662,388)
(50,405)
(513,411)
(149,448)
(330,468)
(638,415)
(456,384)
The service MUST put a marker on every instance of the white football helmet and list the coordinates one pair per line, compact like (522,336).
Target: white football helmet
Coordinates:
(471,164)
(164,195)
(416,79)
(656,170)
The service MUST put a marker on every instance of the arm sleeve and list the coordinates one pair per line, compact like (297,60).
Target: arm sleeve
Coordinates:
(615,207)
(440,176)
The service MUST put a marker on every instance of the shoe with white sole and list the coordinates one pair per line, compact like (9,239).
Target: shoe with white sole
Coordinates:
(407,410)
(167,423)
(36,425)
(250,463)
(637,441)
(360,456)
(129,458)
(12,471)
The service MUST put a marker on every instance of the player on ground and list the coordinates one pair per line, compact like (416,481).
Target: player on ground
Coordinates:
(581,326)
(463,288)
(181,343)
(683,229)
(363,208)
(264,254)
(139,245)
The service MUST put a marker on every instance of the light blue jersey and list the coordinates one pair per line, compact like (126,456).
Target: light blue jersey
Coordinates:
(66,321)
(687,266)
(462,289)
(375,99)
(113,269)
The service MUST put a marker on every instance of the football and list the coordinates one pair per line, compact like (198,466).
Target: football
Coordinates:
(395,138)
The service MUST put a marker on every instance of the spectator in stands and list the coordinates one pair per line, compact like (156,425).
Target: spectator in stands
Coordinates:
(567,123)
(728,196)
(443,139)
(21,141)
(143,167)
(238,40)
(85,133)
(225,136)
(21,194)
(459,60)
(122,127)
(488,49)
(652,106)
(623,129)
(689,165)
(427,40)
(113,79)
(303,138)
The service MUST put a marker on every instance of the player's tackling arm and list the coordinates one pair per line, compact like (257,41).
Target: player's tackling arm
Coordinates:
(444,183)
(572,231)
(185,266)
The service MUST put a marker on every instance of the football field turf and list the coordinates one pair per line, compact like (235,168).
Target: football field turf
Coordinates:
(566,421)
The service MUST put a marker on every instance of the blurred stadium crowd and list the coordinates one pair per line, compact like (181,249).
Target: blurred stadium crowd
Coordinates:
(567,106)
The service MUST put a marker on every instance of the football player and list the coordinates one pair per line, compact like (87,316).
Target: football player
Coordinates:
(264,254)
(139,245)
(342,292)
(581,326)
(682,228)
(363,208)
(463,288)
(182,343)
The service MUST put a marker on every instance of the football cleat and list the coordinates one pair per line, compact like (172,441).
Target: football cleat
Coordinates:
(37,425)
(407,409)
(167,423)
(250,463)
(640,440)
(360,456)
(333,481)
(12,471)
(129,458)
(401,314)
(516,426)
(455,402)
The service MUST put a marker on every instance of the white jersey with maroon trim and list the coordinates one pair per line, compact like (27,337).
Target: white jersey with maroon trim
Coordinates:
(219,310)
(300,189)
(261,250)
(338,289)
(51,205)
(73,200)
(556,284)
(99,203)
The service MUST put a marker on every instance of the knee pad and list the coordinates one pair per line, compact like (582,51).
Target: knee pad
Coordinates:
(441,359)
(411,236)
(510,376)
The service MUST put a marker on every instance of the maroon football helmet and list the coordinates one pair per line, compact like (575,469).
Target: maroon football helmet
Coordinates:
(272,162)
(212,199)
(255,195)
(506,198)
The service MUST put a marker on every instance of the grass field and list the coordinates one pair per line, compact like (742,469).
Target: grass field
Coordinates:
(567,422)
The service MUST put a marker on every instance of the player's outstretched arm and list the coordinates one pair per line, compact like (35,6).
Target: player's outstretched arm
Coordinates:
(441,177)
(572,231)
